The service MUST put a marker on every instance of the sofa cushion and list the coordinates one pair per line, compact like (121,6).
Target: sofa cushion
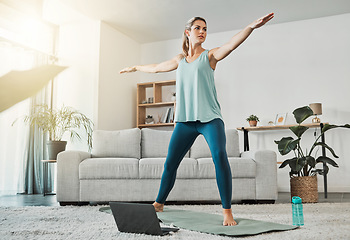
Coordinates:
(122,143)
(155,143)
(240,167)
(109,168)
(200,148)
(152,168)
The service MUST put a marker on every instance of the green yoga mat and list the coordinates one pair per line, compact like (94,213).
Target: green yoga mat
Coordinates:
(212,223)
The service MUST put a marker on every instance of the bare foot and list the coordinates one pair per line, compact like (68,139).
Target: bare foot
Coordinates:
(158,207)
(228,218)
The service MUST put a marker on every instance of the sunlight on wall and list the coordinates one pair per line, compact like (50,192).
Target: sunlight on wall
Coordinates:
(14,58)
(24,43)
(26,30)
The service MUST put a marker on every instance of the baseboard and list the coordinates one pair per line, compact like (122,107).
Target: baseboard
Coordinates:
(340,189)
(8,192)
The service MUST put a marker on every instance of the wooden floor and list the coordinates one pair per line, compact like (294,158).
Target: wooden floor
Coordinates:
(50,200)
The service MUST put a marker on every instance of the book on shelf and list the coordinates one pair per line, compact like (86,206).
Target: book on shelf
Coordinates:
(172,115)
(168,115)
(165,115)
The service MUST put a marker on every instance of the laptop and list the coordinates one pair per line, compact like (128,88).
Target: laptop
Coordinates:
(138,218)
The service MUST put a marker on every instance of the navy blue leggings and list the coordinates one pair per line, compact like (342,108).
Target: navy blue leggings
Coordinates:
(184,135)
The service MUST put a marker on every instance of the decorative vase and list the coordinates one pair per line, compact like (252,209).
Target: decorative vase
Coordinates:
(305,188)
(149,120)
(253,123)
(55,147)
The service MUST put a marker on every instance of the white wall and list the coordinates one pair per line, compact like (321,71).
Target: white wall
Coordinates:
(117,92)
(77,85)
(279,68)
(94,53)
(78,49)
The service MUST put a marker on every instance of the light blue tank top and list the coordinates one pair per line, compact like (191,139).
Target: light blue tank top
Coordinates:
(196,97)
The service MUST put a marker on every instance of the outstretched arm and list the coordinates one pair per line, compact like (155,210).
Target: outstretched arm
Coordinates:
(220,53)
(166,66)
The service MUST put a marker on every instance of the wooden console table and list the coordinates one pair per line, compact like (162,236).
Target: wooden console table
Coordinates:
(280,127)
(265,128)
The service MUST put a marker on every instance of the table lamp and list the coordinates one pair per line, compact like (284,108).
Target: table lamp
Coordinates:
(317,109)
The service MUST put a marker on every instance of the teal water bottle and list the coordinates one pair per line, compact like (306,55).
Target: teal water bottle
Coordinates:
(297,208)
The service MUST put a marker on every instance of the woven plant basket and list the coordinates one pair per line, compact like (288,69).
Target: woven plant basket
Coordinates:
(305,188)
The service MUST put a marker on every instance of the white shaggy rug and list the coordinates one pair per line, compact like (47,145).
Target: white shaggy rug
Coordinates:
(322,221)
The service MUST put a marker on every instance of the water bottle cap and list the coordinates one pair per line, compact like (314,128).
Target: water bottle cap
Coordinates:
(296,199)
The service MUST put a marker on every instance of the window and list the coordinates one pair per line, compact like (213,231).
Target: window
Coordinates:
(25,42)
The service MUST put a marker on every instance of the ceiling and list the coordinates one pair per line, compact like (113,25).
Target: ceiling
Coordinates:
(157,20)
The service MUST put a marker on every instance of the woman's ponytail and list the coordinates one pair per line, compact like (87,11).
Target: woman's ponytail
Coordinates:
(185,45)
(185,41)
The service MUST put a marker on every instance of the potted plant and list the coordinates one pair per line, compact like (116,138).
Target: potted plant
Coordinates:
(253,120)
(303,178)
(56,122)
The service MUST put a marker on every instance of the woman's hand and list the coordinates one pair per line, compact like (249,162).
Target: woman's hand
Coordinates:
(128,70)
(166,66)
(261,21)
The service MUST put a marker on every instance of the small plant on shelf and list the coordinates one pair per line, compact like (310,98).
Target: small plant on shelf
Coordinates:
(253,120)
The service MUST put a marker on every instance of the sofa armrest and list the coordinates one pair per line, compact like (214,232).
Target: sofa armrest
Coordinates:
(68,186)
(266,173)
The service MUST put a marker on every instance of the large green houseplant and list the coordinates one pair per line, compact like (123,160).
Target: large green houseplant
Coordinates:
(303,163)
(56,122)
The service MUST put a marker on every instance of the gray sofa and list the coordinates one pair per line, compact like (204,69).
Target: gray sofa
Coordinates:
(127,165)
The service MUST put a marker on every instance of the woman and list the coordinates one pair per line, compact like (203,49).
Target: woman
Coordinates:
(197,109)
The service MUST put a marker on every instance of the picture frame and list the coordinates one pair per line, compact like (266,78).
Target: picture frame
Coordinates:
(280,119)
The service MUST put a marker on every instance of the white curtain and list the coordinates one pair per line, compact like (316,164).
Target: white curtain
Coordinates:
(13,139)
(25,42)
